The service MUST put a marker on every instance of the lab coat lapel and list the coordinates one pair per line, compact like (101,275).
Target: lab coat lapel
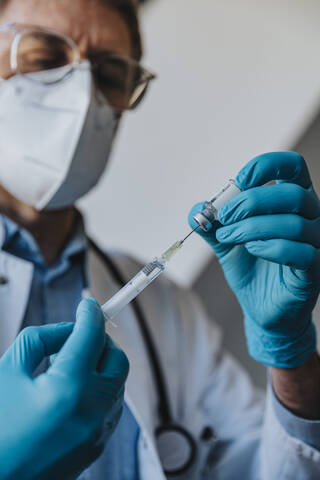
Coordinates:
(15,283)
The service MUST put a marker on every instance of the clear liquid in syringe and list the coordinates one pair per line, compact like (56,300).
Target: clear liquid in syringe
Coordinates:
(138,283)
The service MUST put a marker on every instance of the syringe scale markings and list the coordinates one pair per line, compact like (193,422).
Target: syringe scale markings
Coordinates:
(138,283)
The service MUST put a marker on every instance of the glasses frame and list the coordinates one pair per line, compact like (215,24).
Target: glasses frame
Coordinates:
(20,29)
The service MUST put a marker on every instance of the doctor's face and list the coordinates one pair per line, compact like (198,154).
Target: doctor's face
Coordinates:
(95,27)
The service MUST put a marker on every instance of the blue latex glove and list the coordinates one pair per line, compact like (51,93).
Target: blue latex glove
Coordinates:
(51,425)
(268,249)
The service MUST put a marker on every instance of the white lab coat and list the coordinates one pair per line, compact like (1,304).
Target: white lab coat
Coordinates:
(207,386)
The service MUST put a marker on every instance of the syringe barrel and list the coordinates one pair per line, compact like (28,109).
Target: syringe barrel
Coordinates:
(132,289)
(206,218)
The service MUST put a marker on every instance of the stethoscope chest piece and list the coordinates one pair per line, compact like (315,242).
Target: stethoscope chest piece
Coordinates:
(176,449)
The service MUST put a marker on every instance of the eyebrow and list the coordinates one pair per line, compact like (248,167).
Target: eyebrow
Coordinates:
(104,53)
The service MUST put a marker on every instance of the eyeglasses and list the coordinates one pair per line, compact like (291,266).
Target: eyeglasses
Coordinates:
(26,49)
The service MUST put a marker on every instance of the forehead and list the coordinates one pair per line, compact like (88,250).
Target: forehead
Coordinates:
(92,24)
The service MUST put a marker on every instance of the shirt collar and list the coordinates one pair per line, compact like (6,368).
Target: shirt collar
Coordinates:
(19,242)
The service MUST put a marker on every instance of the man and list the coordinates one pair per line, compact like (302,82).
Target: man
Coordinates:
(71,69)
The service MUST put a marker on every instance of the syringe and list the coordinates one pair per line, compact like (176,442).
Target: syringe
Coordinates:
(154,268)
(138,283)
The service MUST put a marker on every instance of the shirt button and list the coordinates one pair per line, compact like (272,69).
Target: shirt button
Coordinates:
(208,435)
(3,280)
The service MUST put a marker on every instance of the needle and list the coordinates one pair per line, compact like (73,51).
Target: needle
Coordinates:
(185,238)
(168,254)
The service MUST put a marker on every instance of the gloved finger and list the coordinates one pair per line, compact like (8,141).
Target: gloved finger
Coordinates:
(271,199)
(288,166)
(210,236)
(35,343)
(82,350)
(231,258)
(267,227)
(285,252)
(113,364)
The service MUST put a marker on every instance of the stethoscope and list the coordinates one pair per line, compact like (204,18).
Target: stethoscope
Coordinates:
(176,446)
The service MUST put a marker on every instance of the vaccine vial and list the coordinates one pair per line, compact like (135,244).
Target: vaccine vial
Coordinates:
(209,215)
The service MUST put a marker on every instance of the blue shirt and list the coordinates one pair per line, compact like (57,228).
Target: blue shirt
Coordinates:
(54,297)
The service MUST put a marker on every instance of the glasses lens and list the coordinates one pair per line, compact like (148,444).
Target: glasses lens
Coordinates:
(6,38)
(120,81)
(41,51)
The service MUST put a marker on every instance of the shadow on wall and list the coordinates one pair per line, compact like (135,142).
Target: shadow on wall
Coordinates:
(309,146)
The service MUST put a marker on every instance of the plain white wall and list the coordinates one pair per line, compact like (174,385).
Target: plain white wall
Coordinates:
(236,78)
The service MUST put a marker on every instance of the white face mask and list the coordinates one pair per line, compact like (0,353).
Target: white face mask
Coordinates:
(55,139)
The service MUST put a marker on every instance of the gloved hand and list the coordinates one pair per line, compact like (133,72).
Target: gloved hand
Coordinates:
(268,249)
(51,425)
